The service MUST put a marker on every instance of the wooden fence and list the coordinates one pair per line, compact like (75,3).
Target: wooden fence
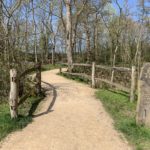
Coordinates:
(15,79)
(94,79)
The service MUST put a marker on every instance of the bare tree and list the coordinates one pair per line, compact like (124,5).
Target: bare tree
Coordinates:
(35,28)
(69,34)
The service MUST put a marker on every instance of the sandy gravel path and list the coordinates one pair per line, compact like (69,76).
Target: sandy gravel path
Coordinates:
(70,118)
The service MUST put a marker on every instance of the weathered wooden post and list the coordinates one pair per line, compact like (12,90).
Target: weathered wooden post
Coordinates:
(112,75)
(133,81)
(38,78)
(93,75)
(114,61)
(13,95)
(60,69)
(143,105)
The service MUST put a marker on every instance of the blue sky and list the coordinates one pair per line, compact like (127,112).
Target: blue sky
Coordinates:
(132,5)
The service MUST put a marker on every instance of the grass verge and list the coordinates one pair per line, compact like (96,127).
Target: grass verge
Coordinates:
(50,67)
(118,105)
(8,125)
(26,110)
(123,113)
(78,79)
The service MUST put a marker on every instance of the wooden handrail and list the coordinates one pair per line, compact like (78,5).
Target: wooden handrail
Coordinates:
(125,69)
(122,69)
(79,74)
(119,86)
(103,67)
(30,70)
(92,78)
(86,65)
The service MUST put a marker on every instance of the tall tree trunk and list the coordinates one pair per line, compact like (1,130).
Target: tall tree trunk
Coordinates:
(7,53)
(96,44)
(95,39)
(2,47)
(38,78)
(88,48)
(35,37)
(1,13)
(53,50)
(114,62)
(26,34)
(69,34)
(53,54)
(47,46)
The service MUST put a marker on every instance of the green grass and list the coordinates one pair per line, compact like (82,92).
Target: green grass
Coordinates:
(123,113)
(25,111)
(78,79)
(50,67)
(8,125)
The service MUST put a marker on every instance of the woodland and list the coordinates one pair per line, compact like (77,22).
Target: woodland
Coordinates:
(112,33)
(106,40)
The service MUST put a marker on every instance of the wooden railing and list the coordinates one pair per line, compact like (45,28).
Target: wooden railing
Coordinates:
(14,87)
(94,79)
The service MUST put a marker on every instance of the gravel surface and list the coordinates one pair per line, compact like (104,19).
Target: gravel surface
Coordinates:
(69,118)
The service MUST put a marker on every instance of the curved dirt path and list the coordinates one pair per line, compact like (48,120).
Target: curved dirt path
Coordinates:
(70,118)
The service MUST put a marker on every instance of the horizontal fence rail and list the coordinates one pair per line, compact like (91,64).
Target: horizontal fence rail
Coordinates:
(16,99)
(100,66)
(94,79)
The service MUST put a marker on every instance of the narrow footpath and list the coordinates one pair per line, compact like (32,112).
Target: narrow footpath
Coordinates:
(69,118)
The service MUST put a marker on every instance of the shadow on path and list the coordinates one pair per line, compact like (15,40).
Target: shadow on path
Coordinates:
(35,105)
(51,87)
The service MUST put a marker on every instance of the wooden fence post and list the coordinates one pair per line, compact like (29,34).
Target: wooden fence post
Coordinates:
(60,69)
(38,78)
(112,75)
(93,74)
(114,61)
(133,77)
(13,96)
